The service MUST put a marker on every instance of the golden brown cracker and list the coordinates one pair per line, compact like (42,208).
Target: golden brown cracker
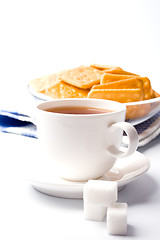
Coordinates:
(121,72)
(111,69)
(40,84)
(82,77)
(107,77)
(119,95)
(105,67)
(147,88)
(137,111)
(64,90)
(155,94)
(122,84)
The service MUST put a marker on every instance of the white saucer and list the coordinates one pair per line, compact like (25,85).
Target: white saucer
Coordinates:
(46,181)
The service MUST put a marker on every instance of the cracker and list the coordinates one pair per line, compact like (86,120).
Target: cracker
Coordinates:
(64,90)
(105,67)
(122,84)
(155,94)
(147,88)
(111,69)
(43,83)
(137,111)
(121,71)
(119,95)
(82,77)
(107,77)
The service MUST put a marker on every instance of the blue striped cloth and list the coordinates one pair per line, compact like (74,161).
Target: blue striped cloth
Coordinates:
(17,123)
(145,125)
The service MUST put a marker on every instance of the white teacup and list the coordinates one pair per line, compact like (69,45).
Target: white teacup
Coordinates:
(84,146)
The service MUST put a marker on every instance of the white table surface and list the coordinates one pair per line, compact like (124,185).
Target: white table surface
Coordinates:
(26,213)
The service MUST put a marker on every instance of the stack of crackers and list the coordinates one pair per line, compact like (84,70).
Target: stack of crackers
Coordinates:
(101,82)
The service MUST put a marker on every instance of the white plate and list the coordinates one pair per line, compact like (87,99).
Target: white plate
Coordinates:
(152,104)
(45,180)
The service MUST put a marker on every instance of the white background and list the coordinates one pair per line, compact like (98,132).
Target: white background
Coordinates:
(39,37)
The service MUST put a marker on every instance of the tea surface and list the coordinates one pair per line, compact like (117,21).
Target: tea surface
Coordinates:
(78,110)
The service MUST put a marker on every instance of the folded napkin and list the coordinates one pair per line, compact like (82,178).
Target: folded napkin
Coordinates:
(15,122)
(149,129)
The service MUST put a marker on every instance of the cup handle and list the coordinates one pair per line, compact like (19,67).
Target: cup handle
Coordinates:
(133,140)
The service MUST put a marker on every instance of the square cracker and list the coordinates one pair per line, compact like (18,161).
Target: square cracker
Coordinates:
(105,67)
(82,77)
(111,69)
(108,77)
(121,84)
(63,90)
(119,95)
(43,83)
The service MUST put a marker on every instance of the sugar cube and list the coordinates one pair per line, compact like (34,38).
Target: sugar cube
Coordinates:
(94,212)
(117,219)
(100,192)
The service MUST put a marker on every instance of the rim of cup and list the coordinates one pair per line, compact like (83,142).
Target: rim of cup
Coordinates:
(115,107)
